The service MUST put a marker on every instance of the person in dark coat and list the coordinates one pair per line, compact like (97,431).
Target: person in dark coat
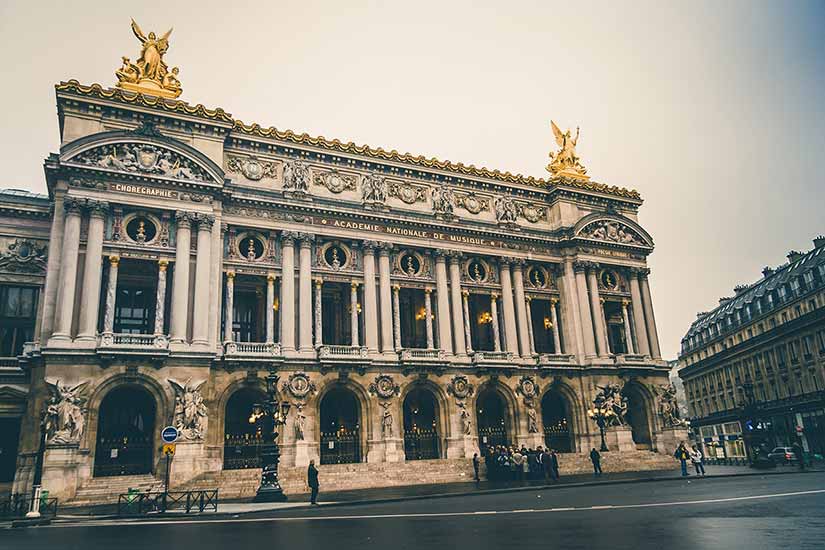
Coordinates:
(554,465)
(475,467)
(682,455)
(596,459)
(800,455)
(312,481)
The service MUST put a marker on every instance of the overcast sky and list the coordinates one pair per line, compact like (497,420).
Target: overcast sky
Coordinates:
(713,111)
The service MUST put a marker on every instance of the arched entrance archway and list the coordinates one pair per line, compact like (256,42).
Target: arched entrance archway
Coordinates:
(491,416)
(421,438)
(241,440)
(637,416)
(558,426)
(340,413)
(125,433)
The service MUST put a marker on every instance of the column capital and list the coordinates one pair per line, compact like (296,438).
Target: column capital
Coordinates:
(553,300)
(163,263)
(73,206)
(440,256)
(384,248)
(639,272)
(97,209)
(306,240)
(428,290)
(455,257)
(354,285)
(319,282)
(644,273)
(114,259)
(465,293)
(601,300)
(495,295)
(205,222)
(625,302)
(528,298)
(270,277)
(288,238)
(183,218)
(369,247)
(396,288)
(582,265)
(517,263)
(230,275)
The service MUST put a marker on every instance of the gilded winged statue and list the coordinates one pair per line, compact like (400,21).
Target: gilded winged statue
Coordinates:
(149,73)
(565,162)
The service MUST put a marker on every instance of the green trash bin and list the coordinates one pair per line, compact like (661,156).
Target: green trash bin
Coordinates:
(44,497)
(131,494)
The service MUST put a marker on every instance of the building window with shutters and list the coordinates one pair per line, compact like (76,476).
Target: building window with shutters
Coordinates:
(18,312)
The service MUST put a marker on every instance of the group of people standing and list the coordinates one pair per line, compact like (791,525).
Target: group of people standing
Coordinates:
(683,454)
(513,464)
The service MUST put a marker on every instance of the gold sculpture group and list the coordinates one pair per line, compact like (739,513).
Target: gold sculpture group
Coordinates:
(150,74)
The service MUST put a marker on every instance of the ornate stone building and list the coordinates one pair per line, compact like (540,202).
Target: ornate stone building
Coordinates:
(413,308)
(754,367)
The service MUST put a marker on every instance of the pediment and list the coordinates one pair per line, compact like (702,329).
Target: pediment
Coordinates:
(611,228)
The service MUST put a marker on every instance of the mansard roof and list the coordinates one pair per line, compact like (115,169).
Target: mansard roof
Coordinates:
(772,279)
(221,116)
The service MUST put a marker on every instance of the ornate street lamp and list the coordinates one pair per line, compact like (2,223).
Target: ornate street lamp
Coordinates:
(600,413)
(269,416)
(747,410)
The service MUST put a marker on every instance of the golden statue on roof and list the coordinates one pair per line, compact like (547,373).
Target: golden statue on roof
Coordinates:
(565,162)
(149,74)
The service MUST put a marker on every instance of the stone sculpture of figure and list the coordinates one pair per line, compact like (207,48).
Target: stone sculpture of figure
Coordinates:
(565,162)
(289,176)
(296,176)
(64,420)
(610,399)
(532,421)
(190,411)
(506,210)
(170,80)
(386,419)
(151,54)
(668,408)
(443,200)
(466,426)
(374,189)
(129,72)
(300,421)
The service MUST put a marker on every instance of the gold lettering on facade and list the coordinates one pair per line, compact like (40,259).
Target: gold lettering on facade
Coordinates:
(144,190)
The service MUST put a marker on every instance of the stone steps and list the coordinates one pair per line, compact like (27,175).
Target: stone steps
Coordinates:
(105,490)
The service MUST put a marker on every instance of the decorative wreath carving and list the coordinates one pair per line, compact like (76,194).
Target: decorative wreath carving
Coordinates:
(527,387)
(299,385)
(460,387)
(384,387)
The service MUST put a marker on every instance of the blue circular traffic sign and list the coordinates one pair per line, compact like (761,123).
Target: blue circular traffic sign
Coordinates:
(169,434)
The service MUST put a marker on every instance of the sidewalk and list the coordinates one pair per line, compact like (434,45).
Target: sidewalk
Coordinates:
(415,492)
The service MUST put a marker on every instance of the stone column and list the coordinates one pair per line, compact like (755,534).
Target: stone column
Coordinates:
(396,316)
(305,295)
(532,340)
(573,339)
(554,318)
(203,266)
(287,305)
(319,313)
(353,306)
(510,334)
(638,314)
(370,311)
(229,312)
(521,309)
(387,342)
(180,280)
(584,310)
(111,296)
(494,314)
(445,336)
(428,319)
(52,282)
(605,335)
(92,271)
(64,311)
(465,306)
(160,297)
(650,319)
(270,313)
(626,322)
(598,316)
(455,293)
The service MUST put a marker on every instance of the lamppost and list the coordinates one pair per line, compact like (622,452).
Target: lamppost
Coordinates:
(34,506)
(269,416)
(600,413)
(746,417)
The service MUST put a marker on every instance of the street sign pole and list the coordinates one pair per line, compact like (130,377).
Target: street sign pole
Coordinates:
(169,435)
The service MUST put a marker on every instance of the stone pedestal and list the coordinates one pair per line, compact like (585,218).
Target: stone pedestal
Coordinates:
(394,449)
(668,439)
(531,441)
(60,471)
(302,453)
(189,462)
(619,438)
(470,446)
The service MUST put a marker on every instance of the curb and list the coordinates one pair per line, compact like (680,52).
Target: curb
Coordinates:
(388,500)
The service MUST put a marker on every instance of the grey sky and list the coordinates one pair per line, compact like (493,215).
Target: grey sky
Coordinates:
(712,110)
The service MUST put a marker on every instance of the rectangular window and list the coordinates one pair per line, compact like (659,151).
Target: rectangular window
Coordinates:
(18,313)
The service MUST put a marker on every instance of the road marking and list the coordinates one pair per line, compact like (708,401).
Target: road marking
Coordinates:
(114,523)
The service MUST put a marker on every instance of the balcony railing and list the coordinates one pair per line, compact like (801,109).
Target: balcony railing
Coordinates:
(553,358)
(493,356)
(342,352)
(252,349)
(141,342)
(416,354)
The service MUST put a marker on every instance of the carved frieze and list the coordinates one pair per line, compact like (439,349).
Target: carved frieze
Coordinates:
(335,181)
(299,385)
(532,213)
(527,387)
(407,192)
(143,158)
(24,256)
(611,231)
(374,189)
(460,387)
(252,168)
(443,200)
(472,203)
(384,386)
(506,210)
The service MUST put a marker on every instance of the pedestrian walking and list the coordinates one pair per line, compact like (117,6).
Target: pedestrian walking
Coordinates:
(596,459)
(800,455)
(475,467)
(312,481)
(696,457)
(554,465)
(682,455)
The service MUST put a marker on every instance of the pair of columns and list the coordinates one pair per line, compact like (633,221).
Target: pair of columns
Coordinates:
(180,282)
(229,308)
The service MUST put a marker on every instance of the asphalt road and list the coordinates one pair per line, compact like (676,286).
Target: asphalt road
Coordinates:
(742,512)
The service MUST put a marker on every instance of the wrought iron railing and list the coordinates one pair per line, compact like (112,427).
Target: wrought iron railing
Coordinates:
(421,444)
(492,437)
(558,438)
(17,506)
(242,452)
(118,456)
(340,447)
(188,502)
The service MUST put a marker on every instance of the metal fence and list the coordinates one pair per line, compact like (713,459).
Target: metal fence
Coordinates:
(17,506)
(188,502)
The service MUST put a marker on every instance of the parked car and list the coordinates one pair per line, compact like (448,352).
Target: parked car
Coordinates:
(783,455)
